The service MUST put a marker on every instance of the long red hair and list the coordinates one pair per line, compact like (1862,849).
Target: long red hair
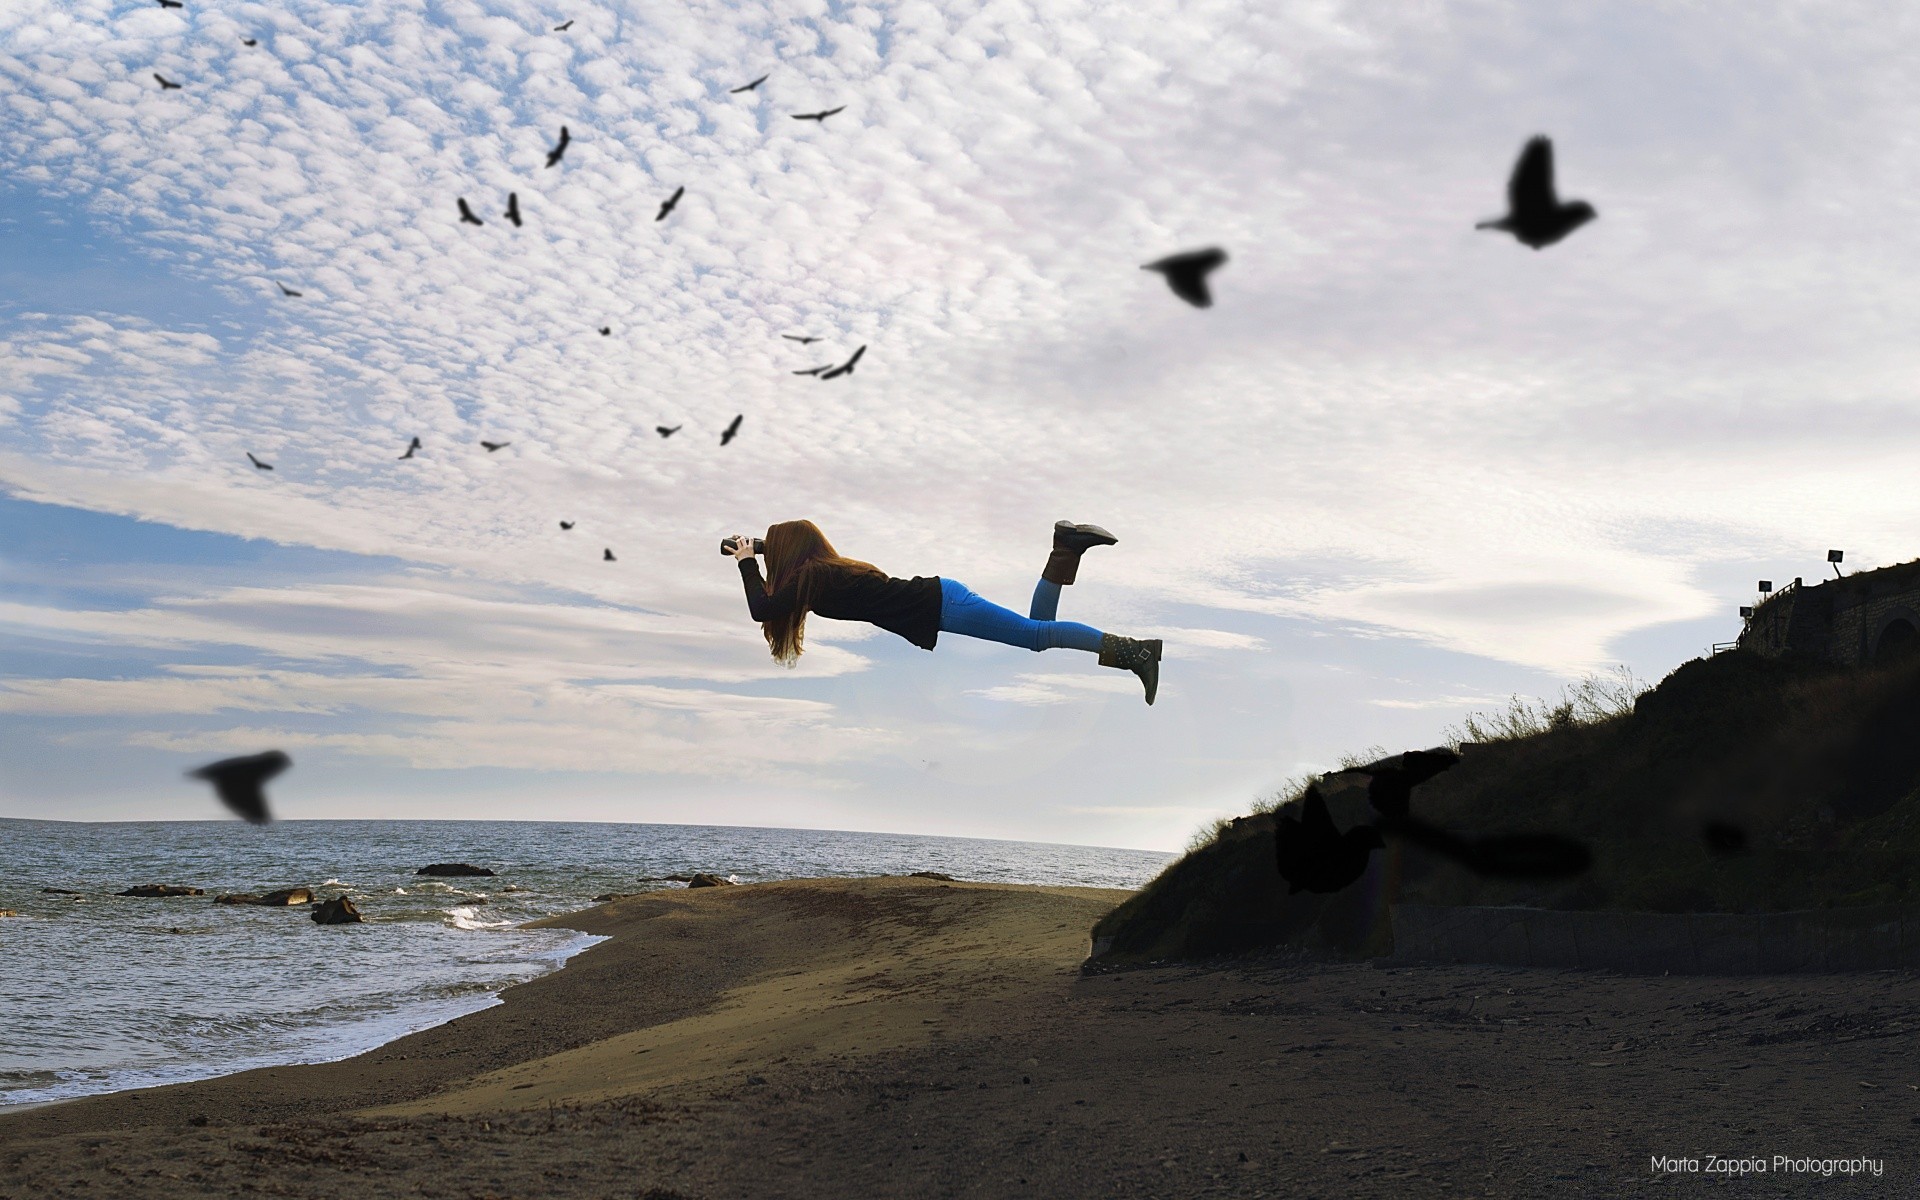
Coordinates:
(798,553)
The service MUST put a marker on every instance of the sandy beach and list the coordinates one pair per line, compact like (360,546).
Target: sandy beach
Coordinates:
(908,1037)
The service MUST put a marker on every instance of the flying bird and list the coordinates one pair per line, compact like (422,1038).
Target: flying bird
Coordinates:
(1390,781)
(411,447)
(747,87)
(819,116)
(564,28)
(492,446)
(249,41)
(171,4)
(164,82)
(256,462)
(466,214)
(671,201)
(813,370)
(1535,215)
(285,290)
(666,431)
(240,782)
(845,368)
(728,434)
(804,341)
(553,155)
(1187,273)
(566,524)
(513,208)
(1313,855)
(607,556)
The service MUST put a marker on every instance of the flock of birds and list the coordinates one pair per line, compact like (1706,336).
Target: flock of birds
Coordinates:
(512,214)
(1311,853)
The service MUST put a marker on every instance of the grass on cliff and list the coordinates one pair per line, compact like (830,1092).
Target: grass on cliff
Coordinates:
(1819,765)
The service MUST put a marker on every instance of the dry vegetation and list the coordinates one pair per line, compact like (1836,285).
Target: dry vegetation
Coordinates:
(1820,767)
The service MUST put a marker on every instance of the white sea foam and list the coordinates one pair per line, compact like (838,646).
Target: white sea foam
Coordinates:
(462,917)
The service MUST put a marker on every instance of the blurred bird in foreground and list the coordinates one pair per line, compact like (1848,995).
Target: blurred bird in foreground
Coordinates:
(240,782)
(1313,855)
(1187,273)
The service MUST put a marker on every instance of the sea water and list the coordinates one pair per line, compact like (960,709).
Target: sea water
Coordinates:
(100,992)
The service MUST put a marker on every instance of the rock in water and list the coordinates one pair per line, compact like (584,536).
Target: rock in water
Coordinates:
(453,869)
(281,898)
(941,875)
(338,911)
(162,889)
(7,912)
(59,892)
(703,879)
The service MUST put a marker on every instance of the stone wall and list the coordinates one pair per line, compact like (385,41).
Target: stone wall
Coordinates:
(1815,940)
(1840,621)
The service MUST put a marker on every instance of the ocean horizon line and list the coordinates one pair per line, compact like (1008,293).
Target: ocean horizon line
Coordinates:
(952,837)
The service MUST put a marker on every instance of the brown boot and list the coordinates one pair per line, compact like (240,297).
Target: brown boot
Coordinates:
(1131,654)
(1069,542)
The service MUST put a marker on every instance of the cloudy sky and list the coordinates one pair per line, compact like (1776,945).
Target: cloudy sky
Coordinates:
(1400,470)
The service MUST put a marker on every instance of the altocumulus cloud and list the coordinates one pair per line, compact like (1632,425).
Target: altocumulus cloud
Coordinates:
(1389,427)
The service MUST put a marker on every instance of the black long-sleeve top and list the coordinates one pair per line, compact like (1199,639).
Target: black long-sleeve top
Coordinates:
(908,607)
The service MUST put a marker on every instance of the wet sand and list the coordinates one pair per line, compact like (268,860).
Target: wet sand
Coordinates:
(906,1037)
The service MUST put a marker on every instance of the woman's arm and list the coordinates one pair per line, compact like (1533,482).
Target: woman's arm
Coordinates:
(759,603)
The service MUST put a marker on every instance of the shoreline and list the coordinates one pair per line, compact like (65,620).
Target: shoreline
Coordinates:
(891,1036)
(338,1043)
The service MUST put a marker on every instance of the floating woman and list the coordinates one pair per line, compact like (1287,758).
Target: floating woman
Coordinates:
(809,575)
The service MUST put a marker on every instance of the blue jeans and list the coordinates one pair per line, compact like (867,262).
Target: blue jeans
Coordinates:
(963,612)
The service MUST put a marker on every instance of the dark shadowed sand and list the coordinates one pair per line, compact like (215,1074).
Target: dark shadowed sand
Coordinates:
(904,1037)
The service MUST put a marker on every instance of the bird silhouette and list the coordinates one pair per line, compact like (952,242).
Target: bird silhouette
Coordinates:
(566,524)
(466,214)
(728,434)
(804,341)
(747,87)
(1314,856)
(814,370)
(1390,781)
(553,155)
(165,83)
(820,116)
(606,331)
(257,463)
(240,782)
(607,556)
(249,41)
(671,201)
(563,28)
(411,447)
(1535,215)
(285,290)
(171,4)
(492,446)
(513,208)
(1187,273)
(845,368)
(666,431)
